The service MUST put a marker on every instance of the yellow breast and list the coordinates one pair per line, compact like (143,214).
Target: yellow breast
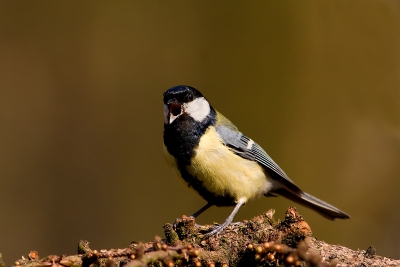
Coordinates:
(225,173)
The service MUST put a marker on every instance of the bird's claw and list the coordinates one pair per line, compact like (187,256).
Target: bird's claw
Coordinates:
(217,230)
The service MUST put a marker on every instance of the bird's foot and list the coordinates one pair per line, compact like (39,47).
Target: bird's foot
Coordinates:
(228,220)
(217,229)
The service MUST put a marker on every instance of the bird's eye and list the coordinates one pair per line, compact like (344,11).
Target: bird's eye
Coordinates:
(175,109)
(190,97)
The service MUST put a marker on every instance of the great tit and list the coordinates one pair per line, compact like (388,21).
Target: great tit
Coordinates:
(224,166)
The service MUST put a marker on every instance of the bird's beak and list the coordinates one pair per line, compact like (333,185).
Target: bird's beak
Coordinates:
(175,110)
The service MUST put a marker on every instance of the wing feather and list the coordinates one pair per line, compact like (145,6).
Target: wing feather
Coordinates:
(248,149)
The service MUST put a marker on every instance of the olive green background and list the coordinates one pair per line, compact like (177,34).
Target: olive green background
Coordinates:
(315,83)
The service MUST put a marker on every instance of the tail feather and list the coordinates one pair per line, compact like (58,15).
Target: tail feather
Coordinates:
(305,199)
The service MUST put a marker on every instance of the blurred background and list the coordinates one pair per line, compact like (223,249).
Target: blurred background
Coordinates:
(316,84)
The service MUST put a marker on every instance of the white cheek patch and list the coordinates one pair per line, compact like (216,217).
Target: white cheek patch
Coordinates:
(166,111)
(198,109)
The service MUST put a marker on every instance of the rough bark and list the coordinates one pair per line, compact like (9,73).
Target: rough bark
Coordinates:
(257,242)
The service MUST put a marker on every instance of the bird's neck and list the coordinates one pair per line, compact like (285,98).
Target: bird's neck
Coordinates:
(183,136)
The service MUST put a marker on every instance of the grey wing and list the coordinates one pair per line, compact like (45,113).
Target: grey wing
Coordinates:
(247,148)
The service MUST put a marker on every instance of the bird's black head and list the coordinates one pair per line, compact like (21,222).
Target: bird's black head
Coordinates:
(185,100)
(187,116)
(181,93)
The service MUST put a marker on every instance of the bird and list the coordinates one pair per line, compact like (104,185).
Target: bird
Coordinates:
(224,166)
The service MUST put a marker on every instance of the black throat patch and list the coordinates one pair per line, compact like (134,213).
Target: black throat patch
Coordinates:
(181,139)
(183,136)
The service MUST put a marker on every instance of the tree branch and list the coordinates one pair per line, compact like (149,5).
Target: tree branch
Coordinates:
(257,242)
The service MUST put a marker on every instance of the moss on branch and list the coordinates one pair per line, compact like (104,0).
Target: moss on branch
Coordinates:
(257,242)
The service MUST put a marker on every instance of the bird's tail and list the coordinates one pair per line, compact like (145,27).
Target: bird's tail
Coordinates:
(305,199)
